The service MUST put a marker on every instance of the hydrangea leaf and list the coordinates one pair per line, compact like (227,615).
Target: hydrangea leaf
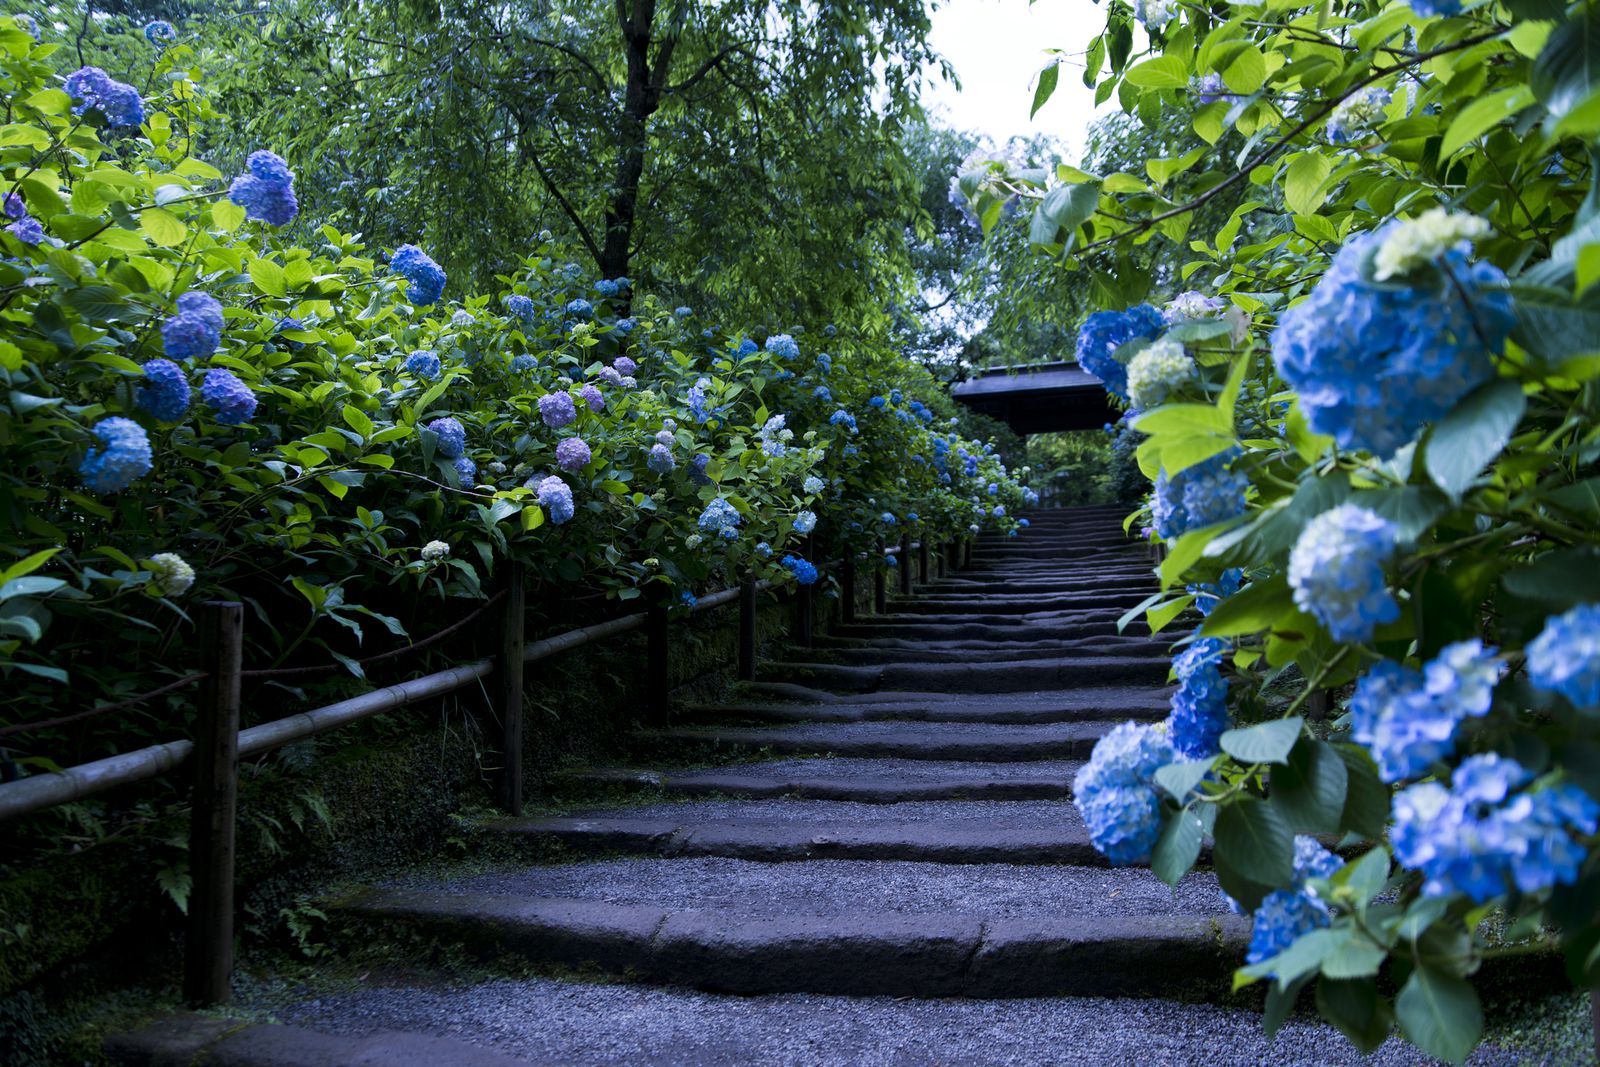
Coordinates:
(1366,798)
(1356,1008)
(1180,779)
(1265,742)
(1178,847)
(1440,1014)
(1309,789)
(1472,435)
(1253,843)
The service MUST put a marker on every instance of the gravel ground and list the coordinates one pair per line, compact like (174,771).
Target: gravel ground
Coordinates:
(957,814)
(850,887)
(546,1021)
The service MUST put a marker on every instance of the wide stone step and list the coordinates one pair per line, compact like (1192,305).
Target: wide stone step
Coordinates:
(1012,676)
(911,629)
(1042,585)
(838,926)
(903,740)
(776,831)
(1071,705)
(871,781)
(1002,605)
(206,1041)
(884,652)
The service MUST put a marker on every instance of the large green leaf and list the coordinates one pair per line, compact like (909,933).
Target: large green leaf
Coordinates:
(1253,840)
(1266,742)
(1161,72)
(1474,434)
(1567,72)
(1366,798)
(1178,847)
(1440,1014)
(1309,789)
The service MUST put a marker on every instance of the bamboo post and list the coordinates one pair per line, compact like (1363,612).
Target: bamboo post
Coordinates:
(747,630)
(847,588)
(509,689)
(905,564)
(658,709)
(213,826)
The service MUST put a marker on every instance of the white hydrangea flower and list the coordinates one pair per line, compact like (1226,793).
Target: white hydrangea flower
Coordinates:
(1424,239)
(1194,305)
(1159,369)
(173,575)
(692,542)
(462,319)
(435,550)
(1358,115)
(1155,14)
(813,484)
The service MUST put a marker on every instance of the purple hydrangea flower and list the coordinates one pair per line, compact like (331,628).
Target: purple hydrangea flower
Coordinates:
(165,392)
(557,409)
(452,437)
(556,498)
(267,192)
(593,397)
(232,403)
(27,230)
(427,278)
(196,330)
(118,101)
(572,454)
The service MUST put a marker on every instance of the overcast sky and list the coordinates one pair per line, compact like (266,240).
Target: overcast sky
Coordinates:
(997,48)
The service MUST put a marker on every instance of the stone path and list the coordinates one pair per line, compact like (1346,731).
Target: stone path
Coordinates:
(924,847)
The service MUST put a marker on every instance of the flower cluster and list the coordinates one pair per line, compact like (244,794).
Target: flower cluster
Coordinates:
(124,457)
(1481,838)
(1159,370)
(721,518)
(843,418)
(1358,115)
(170,573)
(1116,793)
(1286,914)
(520,306)
(424,364)
(1200,495)
(160,32)
(805,522)
(1373,362)
(119,102)
(556,498)
(1155,14)
(1104,332)
(1408,718)
(165,392)
(1208,88)
(434,551)
(417,267)
(783,346)
(775,437)
(661,459)
(267,192)
(232,403)
(804,572)
(1207,595)
(1200,705)
(1565,657)
(572,454)
(452,436)
(196,330)
(557,409)
(1336,571)
(593,397)
(26,228)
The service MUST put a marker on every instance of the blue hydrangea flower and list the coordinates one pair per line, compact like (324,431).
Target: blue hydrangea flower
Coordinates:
(1208,88)
(1480,838)
(267,192)
(573,454)
(556,498)
(424,364)
(697,469)
(14,206)
(660,459)
(165,392)
(624,365)
(1281,920)
(92,87)
(785,347)
(427,278)
(1408,719)
(825,363)
(593,397)
(804,572)
(999,511)
(843,418)
(520,306)
(452,436)
(697,400)
(805,522)
(687,599)
(160,32)
(1430,8)
(877,402)
(557,409)
(1024,523)
(1207,595)
(466,469)
(1116,793)
(1336,571)
(1104,332)
(683,312)
(764,550)
(746,347)
(606,287)
(524,363)
(232,403)
(580,308)
(196,330)
(1197,496)
(124,457)
(720,516)
(27,229)
(823,394)
(1565,657)
(1200,705)
(887,518)
(1373,362)
(813,485)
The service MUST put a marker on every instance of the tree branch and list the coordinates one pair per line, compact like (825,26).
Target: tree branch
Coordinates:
(599,80)
(706,68)
(566,206)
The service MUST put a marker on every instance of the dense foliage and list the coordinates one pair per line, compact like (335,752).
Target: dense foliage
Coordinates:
(210,395)
(1372,436)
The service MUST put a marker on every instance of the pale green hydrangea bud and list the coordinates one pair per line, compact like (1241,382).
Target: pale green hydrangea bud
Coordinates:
(1156,372)
(435,550)
(1422,240)
(173,576)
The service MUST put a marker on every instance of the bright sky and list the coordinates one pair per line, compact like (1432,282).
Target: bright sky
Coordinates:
(997,48)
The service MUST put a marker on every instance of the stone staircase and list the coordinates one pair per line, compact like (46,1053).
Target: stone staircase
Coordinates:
(916,840)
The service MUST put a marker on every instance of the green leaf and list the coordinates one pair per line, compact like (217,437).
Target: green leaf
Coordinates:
(357,420)
(162,226)
(1062,211)
(1247,71)
(1567,72)
(1161,72)
(1180,779)
(1366,798)
(1309,789)
(1303,181)
(1255,842)
(1178,847)
(1256,607)
(268,277)
(1440,1014)
(1266,742)
(1482,114)
(1046,86)
(1582,499)
(1367,876)
(1474,434)
(227,215)
(1355,1007)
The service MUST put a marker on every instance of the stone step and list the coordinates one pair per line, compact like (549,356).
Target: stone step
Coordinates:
(1004,605)
(913,629)
(206,1041)
(1072,705)
(836,926)
(777,831)
(879,652)
(871,781)
(1001,676)
(989,742)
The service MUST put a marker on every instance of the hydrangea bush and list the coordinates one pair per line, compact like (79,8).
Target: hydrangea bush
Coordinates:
(210,392)
(1361,379)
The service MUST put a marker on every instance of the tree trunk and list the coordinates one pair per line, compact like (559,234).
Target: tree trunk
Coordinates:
(646,80)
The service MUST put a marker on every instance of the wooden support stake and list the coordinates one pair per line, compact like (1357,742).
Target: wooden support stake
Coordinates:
(509,689)
(747,630)
(966,552)
(847,588)
(213,826)
(658,708)
(1317,706)
(905,564)
(880,584)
